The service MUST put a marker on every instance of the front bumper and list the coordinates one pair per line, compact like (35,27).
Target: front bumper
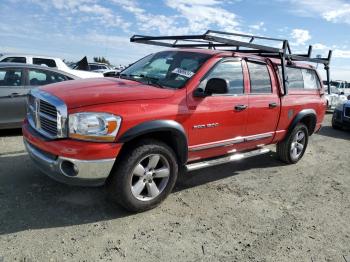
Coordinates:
(71,171)
(340,119)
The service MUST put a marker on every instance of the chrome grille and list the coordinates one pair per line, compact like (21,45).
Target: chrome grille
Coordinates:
(47,114)
(48,125)
(48,109)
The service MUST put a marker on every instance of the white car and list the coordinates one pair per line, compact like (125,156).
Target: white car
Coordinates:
(100,67)
(342,86)
(335,98)
(47,61)
(105,69)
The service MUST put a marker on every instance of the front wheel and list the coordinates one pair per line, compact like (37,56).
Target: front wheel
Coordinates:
(144,176)
(293,147)
(334,124)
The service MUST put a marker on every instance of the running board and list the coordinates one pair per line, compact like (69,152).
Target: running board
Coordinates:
(226,159)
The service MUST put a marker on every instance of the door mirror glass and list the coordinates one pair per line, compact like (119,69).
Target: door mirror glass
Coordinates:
(216,86)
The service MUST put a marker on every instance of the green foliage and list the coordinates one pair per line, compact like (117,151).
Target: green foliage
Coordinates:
(101,60)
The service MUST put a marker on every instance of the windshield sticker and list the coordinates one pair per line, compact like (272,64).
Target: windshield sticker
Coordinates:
(183,72)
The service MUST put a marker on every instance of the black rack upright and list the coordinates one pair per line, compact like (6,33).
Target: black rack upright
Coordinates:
(221,40)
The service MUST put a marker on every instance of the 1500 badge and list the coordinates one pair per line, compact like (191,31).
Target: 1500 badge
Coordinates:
(211,125)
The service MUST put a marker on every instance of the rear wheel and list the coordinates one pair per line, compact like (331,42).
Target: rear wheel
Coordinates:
(144,176)
(293,147)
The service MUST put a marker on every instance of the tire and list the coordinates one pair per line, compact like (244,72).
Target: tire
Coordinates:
(335,125)
(293,147)
(144,176)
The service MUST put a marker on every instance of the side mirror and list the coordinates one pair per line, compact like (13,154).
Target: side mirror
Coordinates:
(342,93)
(216,86)
(213,86)
(199,92)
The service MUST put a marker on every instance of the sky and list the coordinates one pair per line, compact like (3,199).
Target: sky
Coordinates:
(71,29)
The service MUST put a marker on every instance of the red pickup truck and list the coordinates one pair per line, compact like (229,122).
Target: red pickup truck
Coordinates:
(178,109)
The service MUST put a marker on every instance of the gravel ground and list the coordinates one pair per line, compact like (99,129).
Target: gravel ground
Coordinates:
(254,210)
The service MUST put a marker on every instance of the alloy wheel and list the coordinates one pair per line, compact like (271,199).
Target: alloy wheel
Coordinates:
(150,177)
(297,145)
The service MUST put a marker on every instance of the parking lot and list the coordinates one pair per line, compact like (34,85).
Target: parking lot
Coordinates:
(254,210)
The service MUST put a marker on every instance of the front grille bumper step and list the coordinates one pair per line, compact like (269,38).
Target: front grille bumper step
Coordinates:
(47,114)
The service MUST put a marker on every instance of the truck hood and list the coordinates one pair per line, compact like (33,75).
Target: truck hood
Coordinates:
(86,92)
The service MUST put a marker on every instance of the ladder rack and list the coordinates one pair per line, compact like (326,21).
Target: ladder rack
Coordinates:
(218,40)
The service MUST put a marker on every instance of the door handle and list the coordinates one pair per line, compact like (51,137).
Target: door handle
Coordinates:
(272,105)
(240,107)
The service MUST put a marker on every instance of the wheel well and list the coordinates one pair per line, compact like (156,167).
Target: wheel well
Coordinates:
(168,137)
(310,122)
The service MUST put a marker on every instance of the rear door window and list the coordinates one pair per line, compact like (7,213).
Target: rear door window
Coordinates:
(42,77)
(260,81)
(10,77)
(301,78)
(294,78)
(44,61)
(15,60)
(310,79)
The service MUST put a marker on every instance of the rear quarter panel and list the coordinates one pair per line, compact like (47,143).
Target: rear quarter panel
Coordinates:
(296,101)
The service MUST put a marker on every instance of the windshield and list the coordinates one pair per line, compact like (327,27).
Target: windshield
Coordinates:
(336,84)
(170,69)
(334,90)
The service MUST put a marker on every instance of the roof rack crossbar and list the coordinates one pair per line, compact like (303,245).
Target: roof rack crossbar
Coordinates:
(213,39)
(243,35)
(232,42)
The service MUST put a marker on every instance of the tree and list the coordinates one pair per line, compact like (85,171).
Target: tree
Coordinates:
(101,60)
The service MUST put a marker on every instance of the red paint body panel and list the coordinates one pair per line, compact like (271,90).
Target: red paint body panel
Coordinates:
(87,92)
(137,103)
(70,148)
(261,118)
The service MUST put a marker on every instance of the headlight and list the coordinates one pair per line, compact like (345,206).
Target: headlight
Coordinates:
(90,126)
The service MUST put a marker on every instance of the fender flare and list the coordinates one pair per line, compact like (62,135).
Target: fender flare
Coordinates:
(177,131)
(302,114)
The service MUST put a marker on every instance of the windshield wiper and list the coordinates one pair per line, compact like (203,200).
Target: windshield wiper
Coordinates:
(153,81)
(130,77)
(125,76)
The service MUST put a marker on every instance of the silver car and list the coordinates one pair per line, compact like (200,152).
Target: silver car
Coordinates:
(16,80)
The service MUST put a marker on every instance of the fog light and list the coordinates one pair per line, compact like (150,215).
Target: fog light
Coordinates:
(69,169)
